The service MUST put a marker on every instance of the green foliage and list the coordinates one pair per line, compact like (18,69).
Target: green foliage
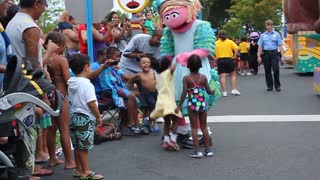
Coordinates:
(254,13)
(214,11)
(49,18)
(234,28)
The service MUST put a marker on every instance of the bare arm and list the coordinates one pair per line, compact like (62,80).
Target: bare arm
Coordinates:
(97,72)
(133,55)
(84,36)
(183,95)
(65,16)
(128,30)
(98,37)
(259,54)
(71,34)
(64,69)
(94,109)
(134,78)
(51,48)
(173,68)
(259,51)
(235,53)
(31,37)
(2,68)
(118,36)
(281,50)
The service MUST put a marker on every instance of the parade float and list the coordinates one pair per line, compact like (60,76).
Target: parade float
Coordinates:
(305,51)
(287,42)
(133,7)
(316,80)
(304,16)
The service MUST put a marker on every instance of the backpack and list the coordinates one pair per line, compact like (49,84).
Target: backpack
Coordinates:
(20,76)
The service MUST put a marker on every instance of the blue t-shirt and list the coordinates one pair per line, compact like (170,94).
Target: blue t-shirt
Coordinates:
(270,41)
(111,80)
(3,57)
(95,82)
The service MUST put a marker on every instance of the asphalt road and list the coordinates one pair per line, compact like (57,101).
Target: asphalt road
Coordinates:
(243,150)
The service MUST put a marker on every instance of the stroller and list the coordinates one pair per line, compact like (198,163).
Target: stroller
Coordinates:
(22,88)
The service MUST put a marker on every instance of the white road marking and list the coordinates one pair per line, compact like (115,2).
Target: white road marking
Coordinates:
(263,118)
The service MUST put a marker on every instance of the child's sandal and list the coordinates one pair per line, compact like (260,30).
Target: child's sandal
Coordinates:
(92,176)
(117,136)
(75,174)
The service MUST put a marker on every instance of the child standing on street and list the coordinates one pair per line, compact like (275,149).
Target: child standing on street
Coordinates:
(166,105)
(84,114)
(244,56)
(58,69)
(196,85)
(146,81)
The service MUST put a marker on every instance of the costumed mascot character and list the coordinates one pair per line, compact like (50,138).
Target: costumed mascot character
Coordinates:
(184,36)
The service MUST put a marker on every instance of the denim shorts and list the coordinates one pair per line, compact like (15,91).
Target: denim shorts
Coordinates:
(81,131)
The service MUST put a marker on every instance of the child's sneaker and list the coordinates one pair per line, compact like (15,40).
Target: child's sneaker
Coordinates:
(135,129)
(235,92)
(208,153)
(196,154)
(224,94)
(160,120)
(155,130)
(174,145)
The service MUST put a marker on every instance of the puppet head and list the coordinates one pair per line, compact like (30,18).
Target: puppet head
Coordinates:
(178,15)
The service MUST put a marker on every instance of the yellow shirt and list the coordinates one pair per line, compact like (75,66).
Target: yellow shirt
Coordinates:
(224,49)
(244,46)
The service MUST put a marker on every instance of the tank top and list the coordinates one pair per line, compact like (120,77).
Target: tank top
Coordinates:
(19,23)
(196,96)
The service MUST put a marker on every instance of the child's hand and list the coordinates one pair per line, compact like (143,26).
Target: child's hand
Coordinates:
(99,122)
(107,63)
(177,110)
(39,112)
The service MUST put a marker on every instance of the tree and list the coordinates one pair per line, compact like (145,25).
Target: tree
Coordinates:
(214,11)
(49,18)
(251,15)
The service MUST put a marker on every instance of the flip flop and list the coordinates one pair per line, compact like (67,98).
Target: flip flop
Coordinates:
(75,174)
(92,176)
(43,172)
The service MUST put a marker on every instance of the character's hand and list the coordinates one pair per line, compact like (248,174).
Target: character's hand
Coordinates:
(182,58)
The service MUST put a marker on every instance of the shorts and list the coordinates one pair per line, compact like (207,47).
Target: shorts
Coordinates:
(225,65)
(45,121)
(244,56)
(81,131)
(147,98)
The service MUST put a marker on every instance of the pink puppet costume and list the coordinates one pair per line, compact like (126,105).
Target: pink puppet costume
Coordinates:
(183,36)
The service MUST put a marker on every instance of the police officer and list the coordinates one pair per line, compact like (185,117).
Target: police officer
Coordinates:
(268,45)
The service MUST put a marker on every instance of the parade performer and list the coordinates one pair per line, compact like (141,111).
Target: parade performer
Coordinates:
(184,36)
